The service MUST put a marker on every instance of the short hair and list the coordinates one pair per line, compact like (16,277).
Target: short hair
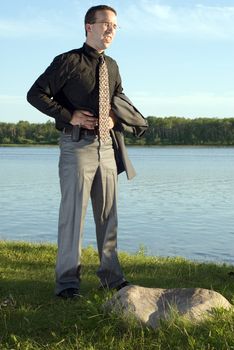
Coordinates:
(91,13)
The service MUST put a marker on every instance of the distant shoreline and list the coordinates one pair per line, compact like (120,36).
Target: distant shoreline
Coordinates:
(28,145)
(128,145)
(169,131)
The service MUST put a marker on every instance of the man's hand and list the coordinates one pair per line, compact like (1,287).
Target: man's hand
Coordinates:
(85,119)
(112,119)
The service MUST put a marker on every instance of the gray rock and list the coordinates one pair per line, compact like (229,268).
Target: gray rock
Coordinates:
(149,305)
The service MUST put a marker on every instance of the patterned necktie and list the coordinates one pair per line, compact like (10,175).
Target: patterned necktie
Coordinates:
(104,101)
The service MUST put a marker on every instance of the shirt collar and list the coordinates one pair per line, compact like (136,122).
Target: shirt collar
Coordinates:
(90,51)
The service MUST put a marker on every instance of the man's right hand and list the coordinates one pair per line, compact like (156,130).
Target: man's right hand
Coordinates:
(85,119)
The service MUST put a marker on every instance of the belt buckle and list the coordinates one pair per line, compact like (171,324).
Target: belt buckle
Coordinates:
(90,132)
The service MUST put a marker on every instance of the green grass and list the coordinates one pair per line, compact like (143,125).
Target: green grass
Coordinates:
(31,317)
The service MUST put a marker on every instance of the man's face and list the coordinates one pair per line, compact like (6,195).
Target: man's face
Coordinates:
(101,33)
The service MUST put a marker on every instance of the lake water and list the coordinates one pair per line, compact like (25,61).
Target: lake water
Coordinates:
(181,203)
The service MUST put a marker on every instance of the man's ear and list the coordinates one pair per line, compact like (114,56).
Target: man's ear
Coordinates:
(88,27)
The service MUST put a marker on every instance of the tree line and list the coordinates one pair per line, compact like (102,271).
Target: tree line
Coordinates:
(161,131)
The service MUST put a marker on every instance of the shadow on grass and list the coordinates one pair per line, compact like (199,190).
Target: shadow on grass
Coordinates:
(30,311)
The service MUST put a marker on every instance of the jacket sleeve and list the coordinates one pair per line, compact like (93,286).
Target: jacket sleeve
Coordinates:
(118,82)
(129,119)
(41,94)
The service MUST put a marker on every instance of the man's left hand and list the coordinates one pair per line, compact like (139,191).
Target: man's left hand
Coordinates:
(111,119)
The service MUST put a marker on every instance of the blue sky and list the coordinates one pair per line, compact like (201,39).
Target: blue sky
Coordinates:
(175,57)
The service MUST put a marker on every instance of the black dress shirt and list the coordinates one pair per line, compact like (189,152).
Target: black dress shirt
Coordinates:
(71,83)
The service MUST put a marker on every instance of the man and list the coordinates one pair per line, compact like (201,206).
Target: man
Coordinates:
(77,89)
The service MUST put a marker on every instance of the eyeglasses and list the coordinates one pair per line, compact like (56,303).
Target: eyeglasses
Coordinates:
(108,25)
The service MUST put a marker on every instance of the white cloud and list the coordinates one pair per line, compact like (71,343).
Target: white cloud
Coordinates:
(200,21)
(162,12)
(143,16)
(38,26)
(10,28)
(51,20)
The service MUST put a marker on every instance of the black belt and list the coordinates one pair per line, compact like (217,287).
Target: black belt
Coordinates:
(83,131)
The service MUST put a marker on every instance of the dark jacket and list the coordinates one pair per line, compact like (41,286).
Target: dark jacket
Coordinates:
(128,118)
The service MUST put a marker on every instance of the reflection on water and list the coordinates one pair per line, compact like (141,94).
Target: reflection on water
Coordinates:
(180,203)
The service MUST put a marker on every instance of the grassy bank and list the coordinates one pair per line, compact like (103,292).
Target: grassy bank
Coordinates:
(31,317)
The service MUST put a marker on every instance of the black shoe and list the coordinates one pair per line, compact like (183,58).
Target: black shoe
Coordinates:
(122,285)
(69,293)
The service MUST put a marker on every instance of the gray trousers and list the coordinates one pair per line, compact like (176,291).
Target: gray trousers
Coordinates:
(87,169)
